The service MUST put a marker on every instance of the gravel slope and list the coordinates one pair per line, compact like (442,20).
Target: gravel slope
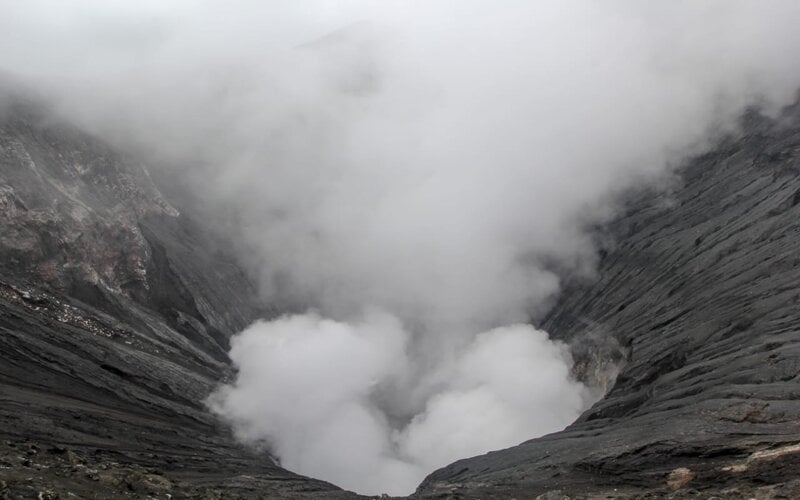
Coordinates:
(115,315)
(701,287)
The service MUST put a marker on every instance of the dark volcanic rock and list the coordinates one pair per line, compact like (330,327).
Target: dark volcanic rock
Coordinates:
(115,315)
(702,289)
(116,309)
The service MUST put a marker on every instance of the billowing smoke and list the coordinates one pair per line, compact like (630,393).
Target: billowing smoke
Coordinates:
(315,389)
(412,173)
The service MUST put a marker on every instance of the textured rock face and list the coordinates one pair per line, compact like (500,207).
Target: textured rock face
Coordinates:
(115,315)
(701,287)
(116,309)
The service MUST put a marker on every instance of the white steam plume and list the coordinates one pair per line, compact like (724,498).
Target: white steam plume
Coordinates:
(405,169)
(321,428)
(311,387)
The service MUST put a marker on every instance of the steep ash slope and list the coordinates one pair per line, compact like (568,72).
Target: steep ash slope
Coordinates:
(702,288)
(115,315)
(116,310)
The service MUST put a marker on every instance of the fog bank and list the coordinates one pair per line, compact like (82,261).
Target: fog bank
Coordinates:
(410,179)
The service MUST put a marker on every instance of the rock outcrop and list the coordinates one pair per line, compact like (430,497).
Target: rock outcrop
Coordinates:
(115,315)
(700,286)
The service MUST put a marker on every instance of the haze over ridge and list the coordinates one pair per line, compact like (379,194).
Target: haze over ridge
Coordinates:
(412,176)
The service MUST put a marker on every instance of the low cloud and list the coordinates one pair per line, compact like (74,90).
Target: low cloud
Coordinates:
(433,160)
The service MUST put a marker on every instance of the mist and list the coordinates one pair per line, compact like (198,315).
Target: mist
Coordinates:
(408,182)
(312,387)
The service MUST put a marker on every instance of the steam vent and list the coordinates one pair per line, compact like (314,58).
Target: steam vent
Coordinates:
(438,250)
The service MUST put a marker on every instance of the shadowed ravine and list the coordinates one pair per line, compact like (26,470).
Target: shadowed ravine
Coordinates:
(116,307)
